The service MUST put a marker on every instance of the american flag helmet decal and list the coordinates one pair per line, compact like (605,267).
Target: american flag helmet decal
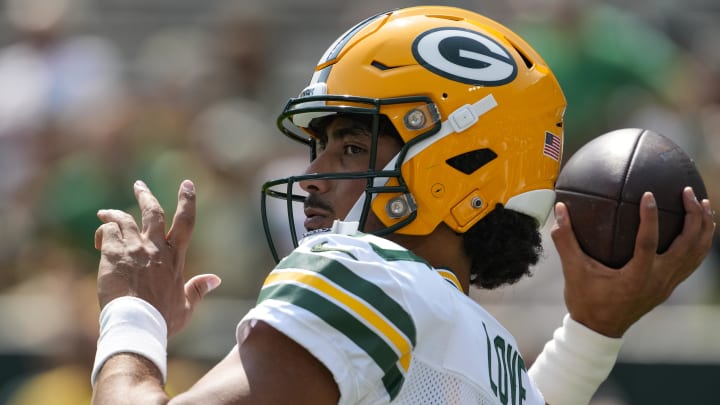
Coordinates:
(553,146)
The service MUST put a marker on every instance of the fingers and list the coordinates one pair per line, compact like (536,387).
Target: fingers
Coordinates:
(153,216)
(184,219)
(125,222)
(646,240)
(710,216)
(197,287)
(569,250)
(693,243)
(698,225)
(562,230)
(107,235)
(698,220)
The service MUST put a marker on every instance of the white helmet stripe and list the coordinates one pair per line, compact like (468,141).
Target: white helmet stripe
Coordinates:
(356,210)
(458,121)
(334,50)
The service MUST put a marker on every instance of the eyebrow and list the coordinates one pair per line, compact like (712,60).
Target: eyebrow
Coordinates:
(355,130)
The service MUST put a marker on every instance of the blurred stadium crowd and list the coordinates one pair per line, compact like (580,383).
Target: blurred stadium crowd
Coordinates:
(97,93)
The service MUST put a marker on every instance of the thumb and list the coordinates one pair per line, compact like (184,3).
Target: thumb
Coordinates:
(198,286)
(572,257)
(562,232)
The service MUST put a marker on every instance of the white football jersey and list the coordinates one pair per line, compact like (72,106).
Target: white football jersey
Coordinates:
(389,327)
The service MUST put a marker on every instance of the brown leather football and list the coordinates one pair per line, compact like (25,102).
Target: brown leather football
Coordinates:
(602,184)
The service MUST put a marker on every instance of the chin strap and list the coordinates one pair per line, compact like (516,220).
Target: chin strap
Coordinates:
(344,227)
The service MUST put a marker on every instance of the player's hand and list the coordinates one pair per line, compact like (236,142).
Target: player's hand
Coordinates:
(148,263)
(609,301)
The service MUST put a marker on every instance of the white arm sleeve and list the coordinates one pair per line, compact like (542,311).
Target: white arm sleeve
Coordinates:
(574,363)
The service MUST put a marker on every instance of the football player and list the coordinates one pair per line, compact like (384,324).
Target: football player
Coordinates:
(435,135)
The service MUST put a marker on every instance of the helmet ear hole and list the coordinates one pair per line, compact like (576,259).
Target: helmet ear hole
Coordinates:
(469,162)
(528,63)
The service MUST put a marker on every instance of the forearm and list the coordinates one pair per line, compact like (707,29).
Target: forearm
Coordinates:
(573,364)
(128,378)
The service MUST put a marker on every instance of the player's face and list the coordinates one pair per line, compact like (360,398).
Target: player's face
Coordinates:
(344,147)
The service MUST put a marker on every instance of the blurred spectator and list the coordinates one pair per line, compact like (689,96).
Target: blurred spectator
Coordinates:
(234,136)
(610,63)
(242,40)
(78,124)
(618,70)
(63,102)
(61,346)
(62,93)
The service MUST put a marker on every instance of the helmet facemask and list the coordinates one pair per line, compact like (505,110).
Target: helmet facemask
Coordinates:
(421,116)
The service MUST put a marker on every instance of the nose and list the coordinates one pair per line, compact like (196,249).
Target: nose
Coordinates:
(316,185)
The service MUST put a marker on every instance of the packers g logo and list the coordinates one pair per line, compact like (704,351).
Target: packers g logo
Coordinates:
(464,56)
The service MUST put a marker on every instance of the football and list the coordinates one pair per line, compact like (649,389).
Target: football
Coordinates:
(602,184)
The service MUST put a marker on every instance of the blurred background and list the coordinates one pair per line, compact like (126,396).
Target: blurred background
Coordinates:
(95,94)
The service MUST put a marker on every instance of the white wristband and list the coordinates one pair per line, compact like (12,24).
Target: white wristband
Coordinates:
(131,325)
(574,363)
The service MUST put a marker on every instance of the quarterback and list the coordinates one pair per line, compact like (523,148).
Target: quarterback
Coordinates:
(430,172)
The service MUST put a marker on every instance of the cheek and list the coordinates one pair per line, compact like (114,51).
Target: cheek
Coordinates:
(347,194)
(388,149)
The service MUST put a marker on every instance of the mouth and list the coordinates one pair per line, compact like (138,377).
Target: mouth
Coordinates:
(316,218)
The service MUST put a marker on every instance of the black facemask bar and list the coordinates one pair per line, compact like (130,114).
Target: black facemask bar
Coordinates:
(283,188)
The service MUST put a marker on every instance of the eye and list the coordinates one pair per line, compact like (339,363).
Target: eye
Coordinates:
(353,149)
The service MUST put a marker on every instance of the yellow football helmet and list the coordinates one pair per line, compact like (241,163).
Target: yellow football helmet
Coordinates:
(480,112)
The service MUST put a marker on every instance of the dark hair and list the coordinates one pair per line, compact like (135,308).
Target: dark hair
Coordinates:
(502,246)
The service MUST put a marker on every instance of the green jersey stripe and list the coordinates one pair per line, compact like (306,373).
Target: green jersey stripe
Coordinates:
(393,255)
(393,381)
(337,317)
(356,285)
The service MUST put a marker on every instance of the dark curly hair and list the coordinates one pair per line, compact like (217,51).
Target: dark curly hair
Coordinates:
(503,245)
